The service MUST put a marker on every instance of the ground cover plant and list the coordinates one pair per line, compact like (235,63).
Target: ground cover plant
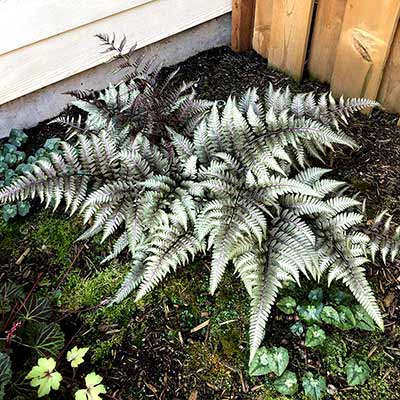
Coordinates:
(13,162)
(180,162)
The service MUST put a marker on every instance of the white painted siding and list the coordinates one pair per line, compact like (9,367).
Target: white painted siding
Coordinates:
(46,41)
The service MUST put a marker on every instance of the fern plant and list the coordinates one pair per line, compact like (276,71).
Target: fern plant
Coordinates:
(142,102)
(241,188)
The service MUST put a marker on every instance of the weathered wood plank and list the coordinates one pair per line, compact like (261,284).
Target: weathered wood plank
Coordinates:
(290,29)
(242,24)
(47,61)
(389,91)
(325,37)
(23,22)
(364,44)
(262,26)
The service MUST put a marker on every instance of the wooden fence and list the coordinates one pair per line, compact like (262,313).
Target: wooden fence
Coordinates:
(352,44)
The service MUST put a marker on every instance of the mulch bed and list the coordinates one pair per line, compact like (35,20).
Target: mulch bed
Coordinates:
(374,170)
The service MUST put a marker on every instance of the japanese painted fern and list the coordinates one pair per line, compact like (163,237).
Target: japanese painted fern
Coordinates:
(239,186)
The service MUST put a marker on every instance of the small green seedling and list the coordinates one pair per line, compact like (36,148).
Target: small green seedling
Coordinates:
(75,356)
(44,375)
(93,388)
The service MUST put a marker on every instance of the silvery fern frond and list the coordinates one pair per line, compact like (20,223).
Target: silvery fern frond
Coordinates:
(342,255)
(383,237)
(288,251)
(323,108)
(169,248)
(67,175)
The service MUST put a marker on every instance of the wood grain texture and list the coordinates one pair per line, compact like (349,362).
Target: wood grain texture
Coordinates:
(326,33)
(23,22)
(290,29)
(242,24)
(47,61)
(262,26)
(389,92)
(364,45)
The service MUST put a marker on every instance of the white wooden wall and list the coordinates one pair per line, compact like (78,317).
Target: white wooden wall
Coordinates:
(45,41)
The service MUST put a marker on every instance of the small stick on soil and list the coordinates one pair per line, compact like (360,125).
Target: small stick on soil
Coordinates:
(22,256)
(201,326)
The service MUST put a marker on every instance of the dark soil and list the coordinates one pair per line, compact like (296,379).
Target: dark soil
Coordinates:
(158,366)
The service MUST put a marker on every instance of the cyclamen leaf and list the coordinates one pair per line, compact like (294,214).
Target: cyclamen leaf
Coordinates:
(330,316)
(286,384)
(315,336)
(346,317)
(260,363)
(9,211)
(310,313)
(23,208)
(273,360)
(357,372)
(279,360)
(287,305)
(316,296)
(363,320)
(297,328)
(314,387)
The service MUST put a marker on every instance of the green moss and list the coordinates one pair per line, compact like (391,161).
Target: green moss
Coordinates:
(78,294)
(55,235)
(81,292)
(213,369)
(375,389)
(334,351)
(101,350)
(10,234)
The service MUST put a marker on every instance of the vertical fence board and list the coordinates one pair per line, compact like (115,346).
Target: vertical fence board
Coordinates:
(326,33)
(242,24)
(389,92)
(262,26)
(290,29)
(364,44)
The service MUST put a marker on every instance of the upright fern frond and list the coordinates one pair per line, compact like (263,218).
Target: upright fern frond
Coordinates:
(288,251)
(169,248)
(323,108)
(383,238)
(141,103)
